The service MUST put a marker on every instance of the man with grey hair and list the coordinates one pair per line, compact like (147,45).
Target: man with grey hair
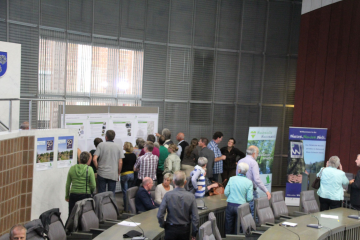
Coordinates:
(143,199)
(18,232)
(239,190)
(181,209)
(252,152)
(167,134)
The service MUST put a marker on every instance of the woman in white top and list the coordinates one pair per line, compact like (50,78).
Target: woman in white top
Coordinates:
(163,188)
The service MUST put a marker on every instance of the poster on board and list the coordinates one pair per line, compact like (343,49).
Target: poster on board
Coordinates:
(264,138)
(65,151)
(44,153)
(306,155)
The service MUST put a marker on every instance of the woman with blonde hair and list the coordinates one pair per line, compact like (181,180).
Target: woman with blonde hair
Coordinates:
(163,188)
(172,162)
(127,171)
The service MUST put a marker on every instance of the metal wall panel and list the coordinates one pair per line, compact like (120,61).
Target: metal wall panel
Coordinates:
(154,71)
(157,20)
(160,105)
(254,25)
(81,15)
(176,118)
(3,34)
(177,82)
(223,117)
(133,18)
(251,67)
(3,9)
(181,21)
(291,82)
(24,11)
(54,13)
(203,73)
(107,17)
(226,77)
(230,22)
(205,23)
(274,80)
(200,117)
(295,33)
(246,116)
(278,27)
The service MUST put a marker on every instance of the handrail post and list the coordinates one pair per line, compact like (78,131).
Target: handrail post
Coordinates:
(30,113)
(63,116)
(10,115)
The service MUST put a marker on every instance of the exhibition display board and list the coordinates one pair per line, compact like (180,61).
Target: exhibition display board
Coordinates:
(306,155)
(264,138)
(129,123)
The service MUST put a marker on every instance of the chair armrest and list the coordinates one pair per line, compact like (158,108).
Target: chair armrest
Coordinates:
(257,232)
(264,226)
(127,215)
(234,237)
(96,231)
(112,221)
(285,217)
(264,229)
(79,236)
(270,224)
(297,213)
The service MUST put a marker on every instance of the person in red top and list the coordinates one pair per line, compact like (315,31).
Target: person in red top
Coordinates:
(155,151)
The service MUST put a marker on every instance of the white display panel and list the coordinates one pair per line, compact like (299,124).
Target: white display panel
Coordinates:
(127,126)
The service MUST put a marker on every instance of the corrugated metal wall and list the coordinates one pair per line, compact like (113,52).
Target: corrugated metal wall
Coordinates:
(209,65)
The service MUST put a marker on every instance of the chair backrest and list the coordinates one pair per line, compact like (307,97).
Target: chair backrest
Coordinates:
(34,228)
(6,236)
(56,229)
(205,232)
(278,204)
(308,202)
(130,195)
(214,226)
(88,218)
(105,206)
(263,211)
(245,219)
(188,180)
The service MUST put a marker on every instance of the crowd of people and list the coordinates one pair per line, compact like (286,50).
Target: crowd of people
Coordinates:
(171,165)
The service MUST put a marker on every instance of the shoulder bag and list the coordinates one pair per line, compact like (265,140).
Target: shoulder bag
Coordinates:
(316,183)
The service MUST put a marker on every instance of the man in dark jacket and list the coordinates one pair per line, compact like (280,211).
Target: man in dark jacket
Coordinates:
(143,200)
(232,156)
(354,186)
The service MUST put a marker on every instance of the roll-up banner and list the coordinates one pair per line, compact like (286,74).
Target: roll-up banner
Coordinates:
(264,138)
(306,155)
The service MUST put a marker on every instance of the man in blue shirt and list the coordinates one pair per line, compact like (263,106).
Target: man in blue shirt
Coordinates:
(213,146)
(143,199)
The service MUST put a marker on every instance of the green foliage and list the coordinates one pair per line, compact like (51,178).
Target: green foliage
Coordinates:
(266,154)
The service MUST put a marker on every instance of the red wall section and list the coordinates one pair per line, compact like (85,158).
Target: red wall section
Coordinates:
(328,78)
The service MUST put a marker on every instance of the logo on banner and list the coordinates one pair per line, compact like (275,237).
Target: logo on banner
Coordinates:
(69,144)
(252,134)
(49,145)
(297,150)
(267,179)
(3,63)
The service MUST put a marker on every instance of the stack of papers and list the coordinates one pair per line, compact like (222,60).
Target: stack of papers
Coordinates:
(290,224)
(129,224)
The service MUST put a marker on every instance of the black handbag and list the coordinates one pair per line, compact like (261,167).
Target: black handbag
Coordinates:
(316,183)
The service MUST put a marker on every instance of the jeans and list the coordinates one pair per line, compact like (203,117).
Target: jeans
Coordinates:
(176,232)
(127,181)
(252,204)
(216,177)
(231,218)
(111,184)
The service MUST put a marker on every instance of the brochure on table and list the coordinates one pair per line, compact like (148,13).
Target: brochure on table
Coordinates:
(127,126)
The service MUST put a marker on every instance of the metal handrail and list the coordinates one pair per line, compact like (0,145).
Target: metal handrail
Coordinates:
(30,108)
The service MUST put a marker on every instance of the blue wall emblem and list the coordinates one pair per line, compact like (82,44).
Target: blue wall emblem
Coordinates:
(3,63)
(297,150)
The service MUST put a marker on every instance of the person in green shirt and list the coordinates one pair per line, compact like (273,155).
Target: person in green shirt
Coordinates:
(163,155)
(81,185)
